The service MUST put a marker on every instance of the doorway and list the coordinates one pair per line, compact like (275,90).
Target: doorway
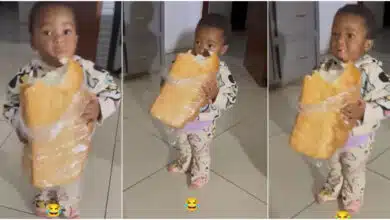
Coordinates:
(9,21)
(249,36)
(88,18)
(239,16)
(386,16)
(236,13)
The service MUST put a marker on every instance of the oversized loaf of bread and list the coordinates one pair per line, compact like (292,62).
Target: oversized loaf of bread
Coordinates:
(319,129)
(181,97)
(59,138)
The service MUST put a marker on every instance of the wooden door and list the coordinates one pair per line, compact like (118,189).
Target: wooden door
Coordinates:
(88,25)
(255,59)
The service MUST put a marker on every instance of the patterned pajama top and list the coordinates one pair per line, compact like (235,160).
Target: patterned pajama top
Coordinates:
(375,92)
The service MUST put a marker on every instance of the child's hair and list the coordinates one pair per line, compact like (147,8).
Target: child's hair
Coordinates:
(363,12)
(36,9)
(216,21)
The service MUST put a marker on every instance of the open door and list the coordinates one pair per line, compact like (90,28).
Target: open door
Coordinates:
(255,59)
(88,25)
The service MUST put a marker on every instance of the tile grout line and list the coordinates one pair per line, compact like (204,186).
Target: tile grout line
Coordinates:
(145,178)
(232,126)
(379,155)
(112,168)
(17,210)
(306,207)
(378,173)
(236,185)
(5,139)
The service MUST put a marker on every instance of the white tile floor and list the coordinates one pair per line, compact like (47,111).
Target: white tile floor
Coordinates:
(292,179)
(102,187)
(238,180)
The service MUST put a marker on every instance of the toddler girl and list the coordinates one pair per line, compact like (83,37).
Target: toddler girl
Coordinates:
(211,34)
(53,32)
(352,37)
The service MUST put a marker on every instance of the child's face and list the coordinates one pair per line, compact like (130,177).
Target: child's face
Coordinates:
(349,37)
(211,39)
(54,34)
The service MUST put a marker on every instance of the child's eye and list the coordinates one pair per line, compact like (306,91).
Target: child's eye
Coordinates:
(350,36)
(47,33)
(211,46)
(197,42)
(67,31)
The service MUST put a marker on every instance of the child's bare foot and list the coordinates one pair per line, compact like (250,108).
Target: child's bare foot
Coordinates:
(174,168)
(41,212)
(199,182)
(325,196)
(180,165)
(72,213)
(353,207)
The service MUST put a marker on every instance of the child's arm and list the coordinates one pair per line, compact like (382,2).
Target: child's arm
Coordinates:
(376,109)
(12,102)
(101,83)
(226,97)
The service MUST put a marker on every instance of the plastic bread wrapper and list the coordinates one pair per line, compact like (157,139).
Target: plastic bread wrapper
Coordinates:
(331,104)
(50,117)
(182,95)
(319,128)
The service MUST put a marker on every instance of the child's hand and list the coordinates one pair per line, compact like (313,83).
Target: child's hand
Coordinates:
(210,89)
(354,112)
(92,110)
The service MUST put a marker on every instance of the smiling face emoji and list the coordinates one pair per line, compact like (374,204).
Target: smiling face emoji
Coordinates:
(192,204)
(53,210)
(342,215)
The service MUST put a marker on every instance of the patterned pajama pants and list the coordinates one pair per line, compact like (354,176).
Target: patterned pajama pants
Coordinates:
(347,173)
(67,196)
(194,147)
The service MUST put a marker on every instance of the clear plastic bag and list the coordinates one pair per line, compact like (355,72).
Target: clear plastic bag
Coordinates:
(182,95)
(319,129)
(50,116)
(333,103)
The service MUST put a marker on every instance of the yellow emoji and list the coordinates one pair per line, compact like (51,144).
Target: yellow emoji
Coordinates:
(191,204)
(342,215)
(53,210)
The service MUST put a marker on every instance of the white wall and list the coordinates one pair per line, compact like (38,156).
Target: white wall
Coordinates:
(326,11)
(378,10)
(180,22)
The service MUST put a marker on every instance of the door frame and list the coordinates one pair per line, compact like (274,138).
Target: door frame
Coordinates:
(116,34)
(205,8)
